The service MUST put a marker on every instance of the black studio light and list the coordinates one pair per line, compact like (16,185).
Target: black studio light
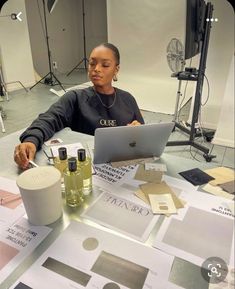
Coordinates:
(51,5)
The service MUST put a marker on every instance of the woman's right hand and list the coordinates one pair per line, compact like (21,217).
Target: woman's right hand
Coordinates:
(24,153)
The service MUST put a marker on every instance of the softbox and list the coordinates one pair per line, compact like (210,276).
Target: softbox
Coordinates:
(2,2)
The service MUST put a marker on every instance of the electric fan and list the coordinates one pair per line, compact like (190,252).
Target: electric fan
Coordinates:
(175,55)
(176,62)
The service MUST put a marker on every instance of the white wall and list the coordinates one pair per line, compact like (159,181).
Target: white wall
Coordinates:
(15,46)
(224,134)
(142,31)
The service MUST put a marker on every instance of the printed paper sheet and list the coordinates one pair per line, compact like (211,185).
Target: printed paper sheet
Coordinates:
(204,228)
(85,257)
(17,237)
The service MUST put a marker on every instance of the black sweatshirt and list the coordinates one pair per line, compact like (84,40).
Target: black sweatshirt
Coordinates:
(83,111)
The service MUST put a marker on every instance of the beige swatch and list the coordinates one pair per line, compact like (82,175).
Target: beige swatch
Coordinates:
(162,204)
(221,175)
(141,195)
(217,191)
(148,176)
(161,188)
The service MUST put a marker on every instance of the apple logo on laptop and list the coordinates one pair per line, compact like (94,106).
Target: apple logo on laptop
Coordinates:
(132,144)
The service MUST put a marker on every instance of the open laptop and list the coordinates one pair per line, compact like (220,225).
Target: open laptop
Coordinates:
(130,142)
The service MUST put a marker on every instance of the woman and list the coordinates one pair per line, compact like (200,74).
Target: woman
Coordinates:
(84,110)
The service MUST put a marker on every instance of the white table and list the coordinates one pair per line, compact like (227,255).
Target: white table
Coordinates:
(10,170)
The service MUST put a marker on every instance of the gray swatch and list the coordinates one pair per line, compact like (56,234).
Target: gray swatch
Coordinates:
(120,270)
(187,275)
(111,286)
(90,244)
(67,271)
(202,234)
(22,286)
(228,187)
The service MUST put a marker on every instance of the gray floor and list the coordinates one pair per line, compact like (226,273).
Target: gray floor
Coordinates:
(23,107)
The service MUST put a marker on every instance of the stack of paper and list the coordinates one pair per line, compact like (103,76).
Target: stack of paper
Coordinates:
(161,198)
(156,192)
(151,172)
(223,183)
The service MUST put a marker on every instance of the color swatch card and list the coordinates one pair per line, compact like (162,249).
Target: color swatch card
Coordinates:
(11,206)
(221,175)
(155,167)
(162,204)
(152,176)
(196,177)
(86,257)
(159,189)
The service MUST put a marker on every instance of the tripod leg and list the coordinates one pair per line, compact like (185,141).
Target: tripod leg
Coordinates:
(75,67)
(19,83)
(1,122)
(60,84)
(39,81)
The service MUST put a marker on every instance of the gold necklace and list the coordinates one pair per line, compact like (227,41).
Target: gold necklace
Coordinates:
(104,105)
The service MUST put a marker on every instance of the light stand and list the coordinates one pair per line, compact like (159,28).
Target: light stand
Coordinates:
(178,94)
(197,102)
(84,59)
(50,77)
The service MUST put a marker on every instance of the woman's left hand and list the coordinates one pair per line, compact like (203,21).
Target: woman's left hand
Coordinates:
(133,123)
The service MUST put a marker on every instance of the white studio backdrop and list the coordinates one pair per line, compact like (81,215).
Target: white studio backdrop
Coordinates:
(225,131)
(142,30)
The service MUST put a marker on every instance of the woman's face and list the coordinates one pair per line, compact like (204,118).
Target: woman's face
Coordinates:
(102,66)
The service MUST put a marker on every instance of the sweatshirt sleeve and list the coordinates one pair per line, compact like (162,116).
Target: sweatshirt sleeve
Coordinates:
(57,117)
(138,114)
(136,110)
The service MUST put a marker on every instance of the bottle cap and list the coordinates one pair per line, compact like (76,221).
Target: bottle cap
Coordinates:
(72,164)
(62,153)
(81,155)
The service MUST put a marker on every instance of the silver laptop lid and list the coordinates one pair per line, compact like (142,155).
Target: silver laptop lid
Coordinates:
(130,142)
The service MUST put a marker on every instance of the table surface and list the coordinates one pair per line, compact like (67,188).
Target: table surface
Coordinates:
(10,170)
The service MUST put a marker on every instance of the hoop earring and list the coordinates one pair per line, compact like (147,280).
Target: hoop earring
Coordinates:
(115,77)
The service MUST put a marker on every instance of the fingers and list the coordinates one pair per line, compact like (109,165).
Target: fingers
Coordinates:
(31,154)
(133,123)
(23,153)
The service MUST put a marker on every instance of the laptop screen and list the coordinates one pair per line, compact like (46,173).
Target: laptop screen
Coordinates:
(130,142)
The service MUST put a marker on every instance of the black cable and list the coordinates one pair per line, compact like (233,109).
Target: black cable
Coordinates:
(179,111)
(190,151)
(208,91)
(184,95)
